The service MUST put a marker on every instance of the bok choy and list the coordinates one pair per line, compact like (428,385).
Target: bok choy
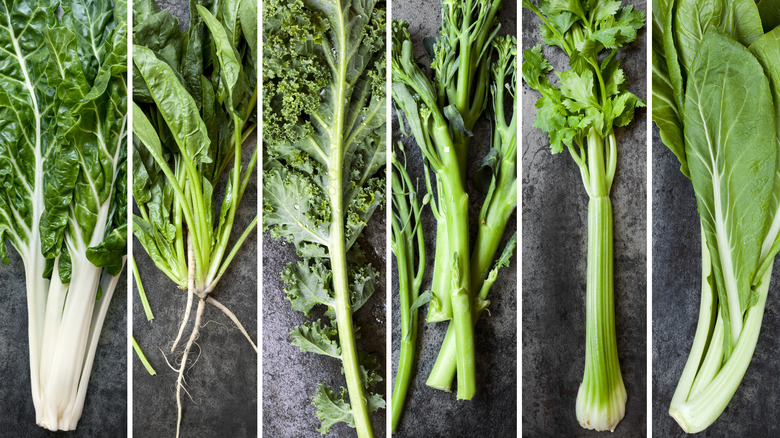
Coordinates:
(716,93)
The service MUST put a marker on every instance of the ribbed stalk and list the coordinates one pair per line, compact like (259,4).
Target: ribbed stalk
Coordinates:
(403,249)
(601,398)
(489,237)
(707,314)
(349,356)
(405,370)
(698,402)
(343,310)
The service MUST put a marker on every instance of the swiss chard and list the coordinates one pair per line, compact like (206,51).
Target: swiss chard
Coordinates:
(63,131)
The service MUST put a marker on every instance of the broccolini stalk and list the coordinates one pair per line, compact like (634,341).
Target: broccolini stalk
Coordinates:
(414,95)
(499,174)
(441,114)
(579,112)
(735,175)
(461,76)
(324,134)
(407,235)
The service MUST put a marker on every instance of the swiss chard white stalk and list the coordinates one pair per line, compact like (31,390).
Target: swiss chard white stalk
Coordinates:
(193,110)
(579,112)
(716,81)
(324,135)
(63,133)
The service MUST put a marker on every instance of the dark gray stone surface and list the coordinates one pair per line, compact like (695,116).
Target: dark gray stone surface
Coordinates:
(755,407)
(555,254)
(222,375)
(105,407)
(493,411)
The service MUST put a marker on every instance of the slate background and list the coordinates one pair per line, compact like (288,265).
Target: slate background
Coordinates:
(223,380)
(555,254)
(493,411)
(755,407)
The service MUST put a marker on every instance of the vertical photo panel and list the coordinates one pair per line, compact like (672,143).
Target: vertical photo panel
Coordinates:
(195,155)
(324,241)
(584,219)
(716,216)
(454,222)
(63,217)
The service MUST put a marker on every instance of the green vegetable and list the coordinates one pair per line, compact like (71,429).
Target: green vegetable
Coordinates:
(194,108)
(324,159)
(143,358)
(498,175)
(579,112)
(721,76)
(63,131)
(141,292)
(441,113)
(407,235)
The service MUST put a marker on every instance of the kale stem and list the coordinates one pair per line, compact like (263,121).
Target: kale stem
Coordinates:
(343,310)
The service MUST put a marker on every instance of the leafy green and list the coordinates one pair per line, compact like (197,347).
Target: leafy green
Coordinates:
(195,93)
(408,246)
(732,163)
(498,178)
(666,109)
(720,88)
(324,122)
(442,105)
(185,142)
(317,338)
(62,169)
